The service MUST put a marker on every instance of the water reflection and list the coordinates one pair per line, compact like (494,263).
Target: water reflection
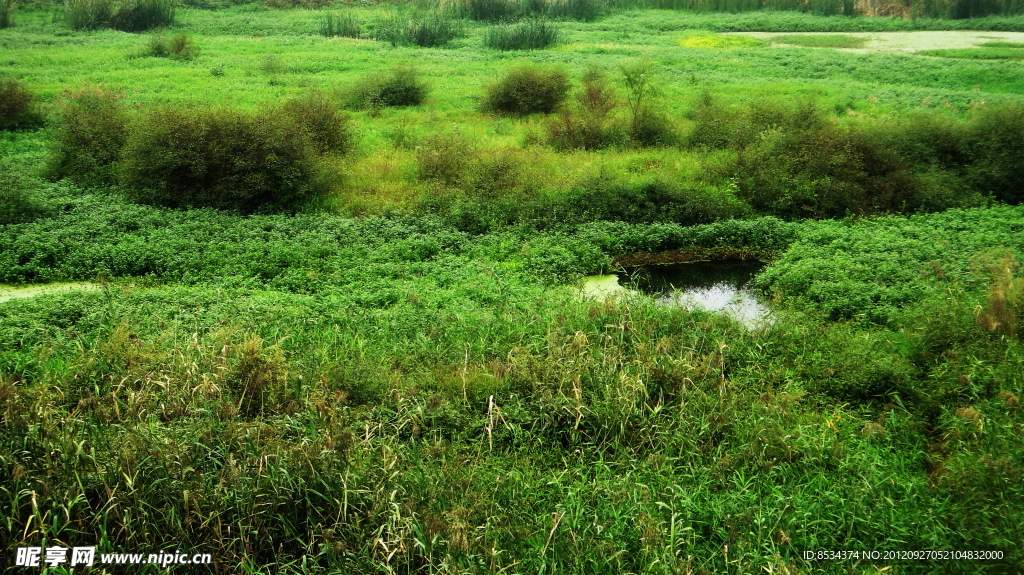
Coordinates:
(712,286)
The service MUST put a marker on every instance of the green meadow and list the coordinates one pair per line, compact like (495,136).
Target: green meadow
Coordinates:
(300,286)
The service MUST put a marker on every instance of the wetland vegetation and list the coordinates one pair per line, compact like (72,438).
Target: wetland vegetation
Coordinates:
(322,266)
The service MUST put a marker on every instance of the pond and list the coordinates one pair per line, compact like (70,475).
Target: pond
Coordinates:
(8,292)
(712,286)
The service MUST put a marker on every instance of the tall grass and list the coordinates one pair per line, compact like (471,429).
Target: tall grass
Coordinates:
(953,9)
(507,10)
(428,30)
(345,25)
(141,15)
(7,13)
(127,15)
(88,14)
(531,34)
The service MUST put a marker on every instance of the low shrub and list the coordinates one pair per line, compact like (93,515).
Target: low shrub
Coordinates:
(17,203)
(646,202)
(344,25)
(442,157)
(650,128)
(177,47)
(89,131)
(18,110)
(824,170)
(527,89)
(995,151)
(428,30)
(647,126)
(219,158)
(532,34)
(319,117)
(590,125)
(397,87)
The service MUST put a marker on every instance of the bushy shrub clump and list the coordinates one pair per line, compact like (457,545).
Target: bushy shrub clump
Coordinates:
(428,30)
(177,47)
(18,108)
(994,147)
(399,86)
(532,34)
(527,89)
(442,157)
(321,120)
(824,169)
(590,125)
(219,158)
(128,15)
(90,129)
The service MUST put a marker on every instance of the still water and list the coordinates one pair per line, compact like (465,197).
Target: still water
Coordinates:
(712,286)
(8,292)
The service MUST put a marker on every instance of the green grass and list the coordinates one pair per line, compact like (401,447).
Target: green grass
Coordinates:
(822,41)
(406,379)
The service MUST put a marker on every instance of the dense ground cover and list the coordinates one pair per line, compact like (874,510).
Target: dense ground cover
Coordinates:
(401,376)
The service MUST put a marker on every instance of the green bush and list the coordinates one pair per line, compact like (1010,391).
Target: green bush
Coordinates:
(89,131)
(428,30)
(590,125)
(219,158)
(442,157)
(527,89)
(647,126)
(397,87)
(18,110)
(532,34)
(344,25)
(177,47)
(995,152)
(824,170)
(320,118)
